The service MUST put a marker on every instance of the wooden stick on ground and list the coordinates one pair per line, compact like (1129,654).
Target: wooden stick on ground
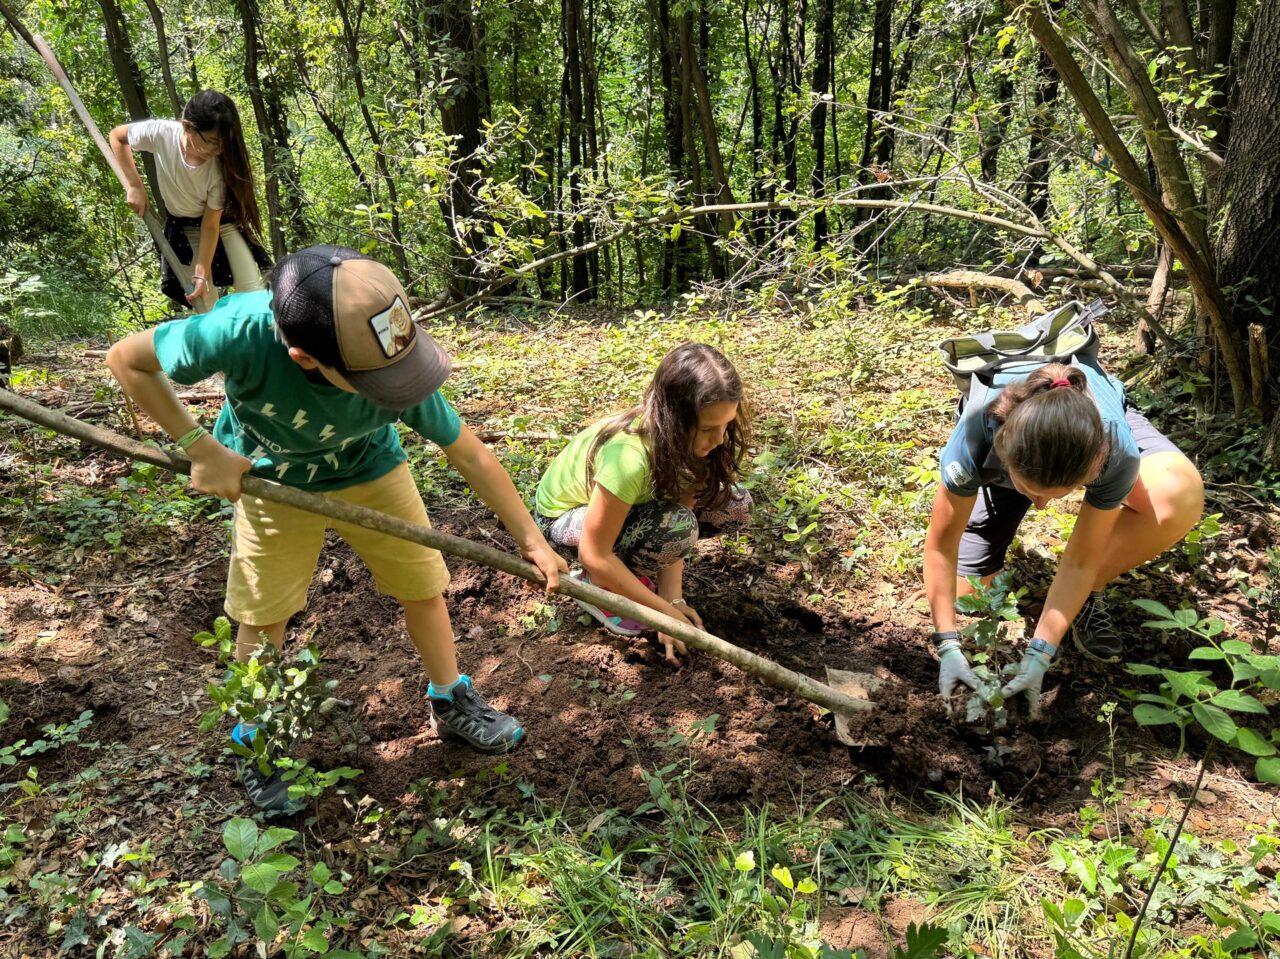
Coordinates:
(766,669)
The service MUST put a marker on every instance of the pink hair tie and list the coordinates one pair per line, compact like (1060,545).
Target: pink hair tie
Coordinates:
(1061,382)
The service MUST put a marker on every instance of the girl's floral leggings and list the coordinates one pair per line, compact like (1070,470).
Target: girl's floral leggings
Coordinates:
(655,534)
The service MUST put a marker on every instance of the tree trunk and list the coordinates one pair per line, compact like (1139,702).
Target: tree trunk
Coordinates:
(335,129)
(1221,15)
(570,23)
(1200,273)
(129,78)
(822,54)
(1249,242)
(351,37)
(275,221)
(1039,142)
(162,45)
(879,88)
(675,252)
(459,95)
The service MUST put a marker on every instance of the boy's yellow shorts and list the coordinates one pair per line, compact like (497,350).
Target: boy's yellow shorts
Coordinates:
(274,549)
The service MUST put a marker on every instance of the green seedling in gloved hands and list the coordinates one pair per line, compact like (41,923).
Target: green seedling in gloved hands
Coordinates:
(993,608)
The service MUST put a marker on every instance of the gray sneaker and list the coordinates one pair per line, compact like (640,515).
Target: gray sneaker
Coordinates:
(463,712)
(1095,634)
(268,791)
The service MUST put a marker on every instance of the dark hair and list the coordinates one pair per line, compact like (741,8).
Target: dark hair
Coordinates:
(211,110)
(1050,430)
(301,287)
(690,378)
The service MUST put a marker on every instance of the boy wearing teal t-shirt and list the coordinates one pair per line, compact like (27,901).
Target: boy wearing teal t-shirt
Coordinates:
(318,370)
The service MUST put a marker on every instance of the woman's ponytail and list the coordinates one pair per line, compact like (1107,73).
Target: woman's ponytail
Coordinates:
(1050,430)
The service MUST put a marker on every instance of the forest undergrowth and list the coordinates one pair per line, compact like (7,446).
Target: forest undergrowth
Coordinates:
(654,812)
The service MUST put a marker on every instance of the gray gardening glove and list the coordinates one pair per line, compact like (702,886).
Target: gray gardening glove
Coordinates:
(1030,675)
(953,668)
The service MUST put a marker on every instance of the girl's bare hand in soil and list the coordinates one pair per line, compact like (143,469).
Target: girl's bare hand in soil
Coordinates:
(216,470)
(672,646)
(690,614)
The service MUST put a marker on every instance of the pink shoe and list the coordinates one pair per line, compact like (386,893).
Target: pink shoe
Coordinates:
(611,621)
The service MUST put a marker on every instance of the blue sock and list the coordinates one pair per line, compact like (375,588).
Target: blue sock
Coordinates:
(446,692)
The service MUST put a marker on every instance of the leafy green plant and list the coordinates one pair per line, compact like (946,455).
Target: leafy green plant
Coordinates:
(992,608)
(57,735)
(1193,544)
(285,700)
(256,896)
(1194,696)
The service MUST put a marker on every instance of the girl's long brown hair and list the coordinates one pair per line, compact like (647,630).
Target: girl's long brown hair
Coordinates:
(208,111)
(690,378)
(1052,435)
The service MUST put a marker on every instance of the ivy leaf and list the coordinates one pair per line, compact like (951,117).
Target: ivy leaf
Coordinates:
(315,940)
(1152,608)
(281,861)
(1215,721)
(1240,702)
(266,925)
(1142,669)
(1186,684)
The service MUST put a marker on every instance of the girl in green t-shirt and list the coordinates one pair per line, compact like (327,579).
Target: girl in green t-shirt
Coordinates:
(630,494)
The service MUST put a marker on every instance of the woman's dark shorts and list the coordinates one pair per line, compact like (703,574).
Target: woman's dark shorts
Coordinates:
(999,509)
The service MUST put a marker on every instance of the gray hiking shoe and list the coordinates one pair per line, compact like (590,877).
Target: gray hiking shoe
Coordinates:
(1095,634)
(463,712)
(268,791)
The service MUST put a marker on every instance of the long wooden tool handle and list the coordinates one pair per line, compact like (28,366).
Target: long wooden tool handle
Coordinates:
(766,669)
(37,43)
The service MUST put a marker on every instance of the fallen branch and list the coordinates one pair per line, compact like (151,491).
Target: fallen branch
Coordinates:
(361,516)
(969,280)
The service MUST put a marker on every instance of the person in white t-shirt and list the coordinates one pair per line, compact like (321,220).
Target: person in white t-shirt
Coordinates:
(204,178)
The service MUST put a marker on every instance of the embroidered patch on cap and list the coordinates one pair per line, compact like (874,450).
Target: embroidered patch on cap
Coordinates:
(393,327)
(958,475)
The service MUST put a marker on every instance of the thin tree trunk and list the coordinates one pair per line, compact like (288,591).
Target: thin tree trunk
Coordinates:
(1200,273)
(1040,140)
(249,26)
(822,46)
(459,94)
(583,289)
(351,36)
(1249,241)
(162,45)
(335,129)
(129,78)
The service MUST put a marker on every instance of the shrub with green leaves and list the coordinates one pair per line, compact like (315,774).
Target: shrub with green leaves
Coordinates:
(1195,696)
(993,608)
(258,895)
(285,699)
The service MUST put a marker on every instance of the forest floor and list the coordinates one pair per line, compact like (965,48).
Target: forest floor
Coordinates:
(620,827)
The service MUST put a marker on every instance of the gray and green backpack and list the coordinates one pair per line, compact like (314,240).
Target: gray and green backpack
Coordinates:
(1064,335)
